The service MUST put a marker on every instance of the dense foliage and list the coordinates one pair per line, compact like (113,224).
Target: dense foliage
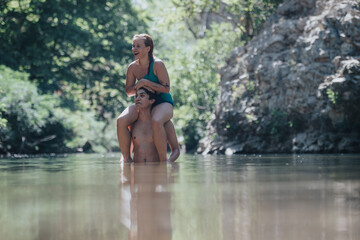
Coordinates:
(195,38)
(247,16)
(70,57)
(78,49)
(37,123)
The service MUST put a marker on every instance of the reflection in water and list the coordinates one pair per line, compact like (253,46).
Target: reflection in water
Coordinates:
(145,200)
(74,202)
(268,198)
(298,210)
(207,197)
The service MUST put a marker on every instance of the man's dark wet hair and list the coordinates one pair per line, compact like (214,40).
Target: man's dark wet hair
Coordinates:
(151,94)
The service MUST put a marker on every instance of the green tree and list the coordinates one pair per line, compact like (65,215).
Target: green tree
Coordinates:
(244,15)
(195,38)
(36,123)
(77,48)
(195,81)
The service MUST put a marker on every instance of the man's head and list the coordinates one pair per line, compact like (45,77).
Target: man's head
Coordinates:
(144,98)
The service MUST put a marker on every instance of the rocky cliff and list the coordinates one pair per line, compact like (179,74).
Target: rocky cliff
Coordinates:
(295,87)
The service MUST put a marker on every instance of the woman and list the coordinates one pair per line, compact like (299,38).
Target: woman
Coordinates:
(153,76)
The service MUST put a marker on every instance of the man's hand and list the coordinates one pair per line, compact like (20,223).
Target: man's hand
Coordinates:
(129,160)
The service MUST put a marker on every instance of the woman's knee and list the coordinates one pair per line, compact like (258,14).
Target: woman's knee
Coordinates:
(127,117)
(156,123)
(120,121)
(162,111)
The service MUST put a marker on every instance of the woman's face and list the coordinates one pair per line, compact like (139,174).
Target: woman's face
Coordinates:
(139,49)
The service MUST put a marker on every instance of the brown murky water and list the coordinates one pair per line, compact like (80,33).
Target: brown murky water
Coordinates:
(200,197)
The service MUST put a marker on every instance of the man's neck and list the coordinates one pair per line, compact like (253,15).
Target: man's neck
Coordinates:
(144,114)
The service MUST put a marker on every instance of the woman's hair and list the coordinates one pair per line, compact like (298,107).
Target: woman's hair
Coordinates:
(148,43)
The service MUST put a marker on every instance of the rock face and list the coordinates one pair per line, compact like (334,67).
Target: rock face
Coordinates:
(295,87)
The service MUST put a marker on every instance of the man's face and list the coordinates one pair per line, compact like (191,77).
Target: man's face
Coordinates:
(142,99)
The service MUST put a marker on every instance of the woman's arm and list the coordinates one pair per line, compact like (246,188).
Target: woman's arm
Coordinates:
(130,82)
(161,73)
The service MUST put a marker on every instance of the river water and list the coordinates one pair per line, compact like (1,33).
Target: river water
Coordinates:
(201,197)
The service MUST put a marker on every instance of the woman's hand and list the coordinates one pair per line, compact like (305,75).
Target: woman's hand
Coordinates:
(143,83)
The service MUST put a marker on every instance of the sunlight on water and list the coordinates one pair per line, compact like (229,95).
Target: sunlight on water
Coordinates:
(200,197)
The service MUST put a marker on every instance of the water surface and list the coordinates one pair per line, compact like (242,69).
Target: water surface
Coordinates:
(200,197)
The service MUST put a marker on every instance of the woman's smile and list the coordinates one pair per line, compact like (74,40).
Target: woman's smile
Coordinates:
(139,49)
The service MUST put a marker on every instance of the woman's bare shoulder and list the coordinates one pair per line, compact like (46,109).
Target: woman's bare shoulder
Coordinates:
(158,63)
(132,66)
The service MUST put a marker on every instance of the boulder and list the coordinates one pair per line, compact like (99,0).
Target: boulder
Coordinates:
(295,87)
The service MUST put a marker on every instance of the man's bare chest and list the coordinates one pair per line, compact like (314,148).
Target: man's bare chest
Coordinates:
(142,133)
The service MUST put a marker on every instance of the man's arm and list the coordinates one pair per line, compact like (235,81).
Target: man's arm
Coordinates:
(131,141)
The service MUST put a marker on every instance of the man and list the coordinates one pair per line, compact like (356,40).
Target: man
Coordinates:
(142,134)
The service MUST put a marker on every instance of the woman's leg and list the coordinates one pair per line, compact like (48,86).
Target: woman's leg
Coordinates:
(172,140)
(160,114)
(126,118)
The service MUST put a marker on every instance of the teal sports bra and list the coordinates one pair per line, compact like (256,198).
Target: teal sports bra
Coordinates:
(162,97)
